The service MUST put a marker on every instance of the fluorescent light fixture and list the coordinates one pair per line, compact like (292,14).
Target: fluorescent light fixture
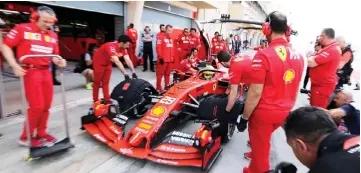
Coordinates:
(79,24)
(9,11)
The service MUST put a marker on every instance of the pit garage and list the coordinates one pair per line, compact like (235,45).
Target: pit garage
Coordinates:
(80,23)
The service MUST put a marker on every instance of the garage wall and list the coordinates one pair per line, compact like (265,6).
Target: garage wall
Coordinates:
(107,7)
(118,26)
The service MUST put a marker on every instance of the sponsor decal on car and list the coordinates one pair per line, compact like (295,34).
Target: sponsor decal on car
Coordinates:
(152,118)
(182,140)
(145,126)
(167,100)
(172,149)
(182,134)
(148,122)
(159,110)
(126,150)
(99,137)
(115,130)
(167,162)
(138,129)
(214,87)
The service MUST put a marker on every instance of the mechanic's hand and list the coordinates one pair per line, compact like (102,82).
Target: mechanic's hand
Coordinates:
(242,125)
(126,77)
(60,63)
(161,61)
(19,71)
(134,76)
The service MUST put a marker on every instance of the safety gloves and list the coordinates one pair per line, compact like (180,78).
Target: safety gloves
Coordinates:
(242,125)
(134,76)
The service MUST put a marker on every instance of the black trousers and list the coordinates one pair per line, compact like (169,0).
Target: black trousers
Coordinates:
(148,55)
(307,77)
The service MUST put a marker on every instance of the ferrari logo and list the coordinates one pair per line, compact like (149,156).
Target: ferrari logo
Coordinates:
(281,52)
(339,48)
(289,76)
(214,87)
(47,38)
(238,59)
(158,110)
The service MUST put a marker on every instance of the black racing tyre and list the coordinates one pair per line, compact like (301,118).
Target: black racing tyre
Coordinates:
(129,93)
(213,107)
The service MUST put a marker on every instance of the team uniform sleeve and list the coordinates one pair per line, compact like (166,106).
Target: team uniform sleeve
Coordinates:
(324,57)
(111,51)
(259,69)
(125,52)
(159,47)
(346,57)
(235,74)
(14,37)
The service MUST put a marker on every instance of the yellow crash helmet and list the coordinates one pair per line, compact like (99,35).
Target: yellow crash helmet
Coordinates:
(208,74)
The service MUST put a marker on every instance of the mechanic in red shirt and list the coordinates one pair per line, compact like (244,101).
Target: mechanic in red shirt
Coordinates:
(323,69)
(194,52)
(103,58)
(182,44)
(276,76)
(194,40)
(215,38)
(162,31)
(186,65)
(219,45)
(132,33)
(165,58)
(35,38)
(239,72)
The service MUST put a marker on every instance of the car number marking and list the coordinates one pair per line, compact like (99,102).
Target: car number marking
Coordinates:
(167,100)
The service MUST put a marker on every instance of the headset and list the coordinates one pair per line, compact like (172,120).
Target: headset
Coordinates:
(146,28)
(35,14)
(267,30)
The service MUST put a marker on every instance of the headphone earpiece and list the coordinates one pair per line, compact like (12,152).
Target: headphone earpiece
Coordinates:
(267,30)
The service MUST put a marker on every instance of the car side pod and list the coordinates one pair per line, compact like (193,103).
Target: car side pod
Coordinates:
(38,152)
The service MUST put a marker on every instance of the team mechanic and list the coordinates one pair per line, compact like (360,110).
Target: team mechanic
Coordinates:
(276,75)
(319,145)
(132,33)
(102,64)
(183,45)
(323,69)
(165,58)
(35,38)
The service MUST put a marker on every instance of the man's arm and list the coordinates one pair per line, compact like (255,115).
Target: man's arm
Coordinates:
(232,97)
(120,66)
(129,62)
(259,67)
(320,58)
(254,94)
(9,56)
(345,59)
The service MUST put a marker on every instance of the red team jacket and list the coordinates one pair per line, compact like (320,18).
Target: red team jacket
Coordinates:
(218,46)
(280,69)
(102,57)
(328,60)
(183,42)
(30,40)
(132,33)
(164,48)
(240,70)
(194,41)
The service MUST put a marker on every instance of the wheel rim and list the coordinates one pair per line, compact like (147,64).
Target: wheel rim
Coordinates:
(231,128)
(140,110)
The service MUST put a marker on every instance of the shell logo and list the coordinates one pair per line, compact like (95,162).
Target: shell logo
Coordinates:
(158,110)
(47,38)
(288,76)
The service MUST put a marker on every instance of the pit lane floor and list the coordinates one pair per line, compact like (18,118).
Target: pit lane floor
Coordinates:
(91,156)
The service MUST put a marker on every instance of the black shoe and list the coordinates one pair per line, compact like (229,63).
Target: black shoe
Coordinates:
(152,70)
(144,70)
(56,82)
(1,135)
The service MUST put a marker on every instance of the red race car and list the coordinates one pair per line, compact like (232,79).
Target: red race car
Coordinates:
(198,98)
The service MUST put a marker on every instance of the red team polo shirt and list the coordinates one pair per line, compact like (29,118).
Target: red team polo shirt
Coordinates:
(185,65)
(29,39)
(103,55)
(280,69)
(328,60)
(240,69)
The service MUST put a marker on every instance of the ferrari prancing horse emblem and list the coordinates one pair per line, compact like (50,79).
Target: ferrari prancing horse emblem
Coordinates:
(281,52)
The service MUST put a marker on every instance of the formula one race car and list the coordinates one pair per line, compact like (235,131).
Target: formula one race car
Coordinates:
(152,136)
